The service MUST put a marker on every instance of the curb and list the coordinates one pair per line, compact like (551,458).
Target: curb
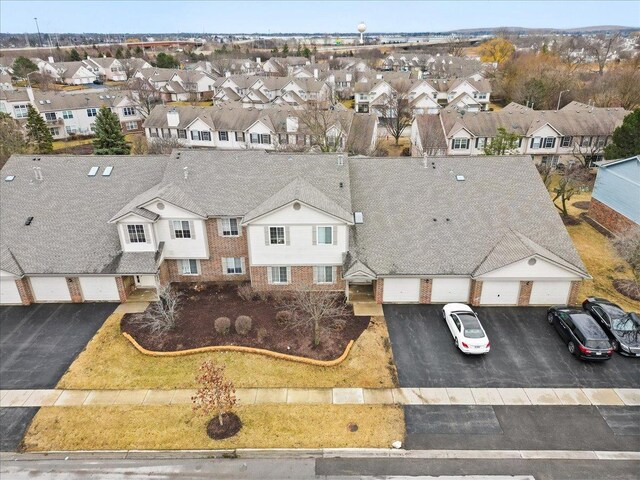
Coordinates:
(294,453)
(234,348)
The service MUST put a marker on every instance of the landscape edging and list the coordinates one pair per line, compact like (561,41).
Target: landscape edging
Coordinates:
(237,348)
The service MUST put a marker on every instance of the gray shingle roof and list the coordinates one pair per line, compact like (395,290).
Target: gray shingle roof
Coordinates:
(57,101)
(70,233)
(400,199)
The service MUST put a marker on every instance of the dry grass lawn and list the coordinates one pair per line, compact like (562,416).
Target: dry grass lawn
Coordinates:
(388,142)
(600,258)
(111,362)
(60,144)
(178,427)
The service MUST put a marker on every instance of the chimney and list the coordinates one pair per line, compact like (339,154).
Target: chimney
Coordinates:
(292,124)
(348,77)
(227,73)
(51,60)
(258,60)
(378,76)
(173,118)
(313,59)
(315,73)
(30,94)
(104,55)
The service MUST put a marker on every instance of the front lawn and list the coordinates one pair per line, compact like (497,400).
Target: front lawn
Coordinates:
(600,258)
(178,427)
(111,362)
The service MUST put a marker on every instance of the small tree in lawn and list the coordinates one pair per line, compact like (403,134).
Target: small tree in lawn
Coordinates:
(504,143)
(216,395)
(110,139)
(38,134)
(321,309)
(570,183)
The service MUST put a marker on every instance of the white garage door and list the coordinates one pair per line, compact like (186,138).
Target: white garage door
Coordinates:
(499,293)
(549,293)
(101,289)
(50,289)
(401,290)
(9,293)
(444,290)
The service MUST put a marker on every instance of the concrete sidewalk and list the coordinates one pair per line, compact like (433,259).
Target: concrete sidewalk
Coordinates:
(335,396)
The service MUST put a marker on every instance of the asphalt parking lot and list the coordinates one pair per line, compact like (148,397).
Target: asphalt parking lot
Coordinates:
(525,352)
(37,345)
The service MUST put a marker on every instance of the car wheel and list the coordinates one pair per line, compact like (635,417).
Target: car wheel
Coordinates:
(455,342)
(550,318)
(572,348)
(444,315)
(615,345)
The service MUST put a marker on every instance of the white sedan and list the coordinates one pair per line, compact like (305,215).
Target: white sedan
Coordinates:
(467,332)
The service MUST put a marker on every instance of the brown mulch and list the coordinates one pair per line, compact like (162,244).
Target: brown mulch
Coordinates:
(570,220)
(195,327)
(584,205)
(231,424)
(628,288)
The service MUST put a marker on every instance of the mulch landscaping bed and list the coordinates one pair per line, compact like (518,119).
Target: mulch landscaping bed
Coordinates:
(583,205)
(231,424)
(628,288)
(195,326)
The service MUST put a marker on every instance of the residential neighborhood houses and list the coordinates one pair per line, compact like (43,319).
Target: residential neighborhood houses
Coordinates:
(284,254)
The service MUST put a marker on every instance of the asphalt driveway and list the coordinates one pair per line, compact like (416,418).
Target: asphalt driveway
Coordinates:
(39,342)
(525,352)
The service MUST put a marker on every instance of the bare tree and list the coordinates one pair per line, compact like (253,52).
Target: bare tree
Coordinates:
(587,154)
(161,316)
(144,93)
(602,48)
(216,395)
(163,146)
(320,309)
(324,128)
(573,178)
(396,109)
(456,47)
(627,245)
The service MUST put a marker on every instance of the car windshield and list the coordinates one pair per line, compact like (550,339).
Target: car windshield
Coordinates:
(598,344)
(612,310)
(626,324)
(471,325)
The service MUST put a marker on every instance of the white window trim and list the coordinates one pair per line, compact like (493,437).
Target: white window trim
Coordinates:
(323,268)
(182,272)
(284,235)
(227,222)
(182,229)
(287,282)
(145,233)
(318,235)
(226,265)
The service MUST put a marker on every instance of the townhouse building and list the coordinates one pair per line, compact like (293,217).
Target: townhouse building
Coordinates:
(107,68)
(277,128)
(576,132)
(283,221)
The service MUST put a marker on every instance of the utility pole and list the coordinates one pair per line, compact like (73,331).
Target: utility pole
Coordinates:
(38,28)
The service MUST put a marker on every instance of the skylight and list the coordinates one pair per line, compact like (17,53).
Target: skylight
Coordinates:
(358,217)
(107,171)
(460,178)
(9,178)
(93,171)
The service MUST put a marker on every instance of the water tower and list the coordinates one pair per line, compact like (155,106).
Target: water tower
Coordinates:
(361,28)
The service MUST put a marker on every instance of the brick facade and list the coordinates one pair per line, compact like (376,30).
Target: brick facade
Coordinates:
(73,283)
(378,288)
(123,288)
(573,293)
(211,268)
(525,293)
(425,290)
(301,275)
(475,292)
(613,221)
(24,288)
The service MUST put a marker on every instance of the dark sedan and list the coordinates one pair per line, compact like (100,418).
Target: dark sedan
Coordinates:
(582,334)
(622,328)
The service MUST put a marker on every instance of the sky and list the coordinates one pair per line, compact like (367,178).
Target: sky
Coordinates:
(161,16)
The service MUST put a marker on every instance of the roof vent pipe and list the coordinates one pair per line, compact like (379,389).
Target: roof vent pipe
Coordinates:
(185,172)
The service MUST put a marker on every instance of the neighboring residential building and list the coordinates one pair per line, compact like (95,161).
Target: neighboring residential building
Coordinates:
(283,65)
(107,68)
(15,103)
(278,128)
(71,73)
(5,80)
(576,132)
(615,201)
(434,66)
(282,221)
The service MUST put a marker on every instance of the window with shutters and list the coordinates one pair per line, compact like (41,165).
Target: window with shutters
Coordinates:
(181,229)
(136,234)
(460,143)
(182,133)
(566,141)
(233,265)
(189,267)
(324,274)
(230,227)
(536,142)
(279,275)
(223,136)
(276,236)
(324,235)
(549,142)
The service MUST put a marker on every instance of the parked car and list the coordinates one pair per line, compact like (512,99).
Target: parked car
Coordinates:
(622,328)
(98,81)
(582,334)
(466,329)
